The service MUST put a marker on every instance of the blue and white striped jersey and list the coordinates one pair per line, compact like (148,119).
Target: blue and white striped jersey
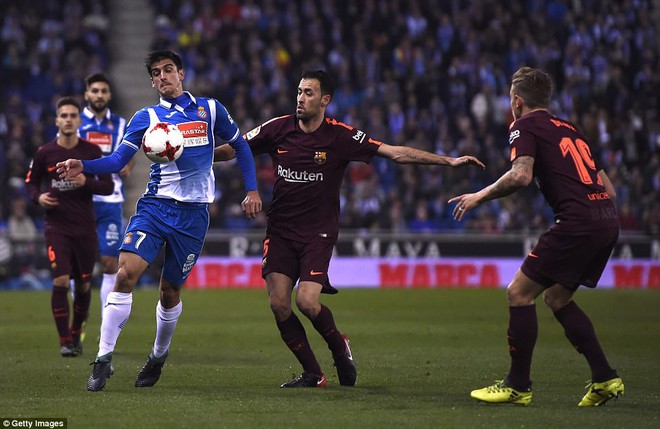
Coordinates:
(190,178)
(107,134)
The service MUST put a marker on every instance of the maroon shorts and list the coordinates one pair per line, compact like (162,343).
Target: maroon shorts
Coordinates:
(570,258)
(304,261)
(73,256)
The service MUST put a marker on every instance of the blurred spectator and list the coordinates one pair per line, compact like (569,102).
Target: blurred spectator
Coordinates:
(20,226)
(46,49)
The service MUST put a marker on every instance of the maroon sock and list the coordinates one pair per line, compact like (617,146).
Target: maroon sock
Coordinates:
(59,303)
(580,332)
(80,311)
(293,334)
(523,330)
(324,323)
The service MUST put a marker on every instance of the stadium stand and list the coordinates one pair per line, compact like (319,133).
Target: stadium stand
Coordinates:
(435,75)
(422,73)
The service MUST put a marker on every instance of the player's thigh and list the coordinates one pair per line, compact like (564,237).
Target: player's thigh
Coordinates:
(108,227)
(315,260)
(603,242)
(280,256)
(83,257)
(146,232)
(59,248)
(561,257)
(184,242)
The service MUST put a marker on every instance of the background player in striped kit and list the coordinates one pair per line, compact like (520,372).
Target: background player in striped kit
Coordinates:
(105,129)
(173,212)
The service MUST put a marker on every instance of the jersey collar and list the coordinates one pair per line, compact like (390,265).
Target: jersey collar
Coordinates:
(179,103)
(87,112)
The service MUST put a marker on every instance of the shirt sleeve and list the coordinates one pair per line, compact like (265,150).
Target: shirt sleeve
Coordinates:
(359,146)
(225,127)
(522,142)
(34,177)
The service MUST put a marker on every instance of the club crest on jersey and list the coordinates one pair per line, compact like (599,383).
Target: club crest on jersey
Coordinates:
(201,112)
(320,157)
(128,238)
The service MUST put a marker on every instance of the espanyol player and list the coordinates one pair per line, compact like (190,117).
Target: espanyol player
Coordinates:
(173,212)
(105,129)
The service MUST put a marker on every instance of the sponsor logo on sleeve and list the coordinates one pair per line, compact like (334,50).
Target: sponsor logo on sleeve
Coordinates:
(513,135)
(359,136)
(253,133)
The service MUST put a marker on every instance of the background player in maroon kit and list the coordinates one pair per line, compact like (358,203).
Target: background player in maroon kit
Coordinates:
(70,225)
(310,154)
(573,252)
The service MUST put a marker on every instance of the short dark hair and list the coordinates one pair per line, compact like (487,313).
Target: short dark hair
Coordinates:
(96,77)
(532,85)
(326,81)
(155,56)
(66,101)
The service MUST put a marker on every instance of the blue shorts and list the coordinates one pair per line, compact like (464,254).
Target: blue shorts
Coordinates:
(108,227)
(180,227)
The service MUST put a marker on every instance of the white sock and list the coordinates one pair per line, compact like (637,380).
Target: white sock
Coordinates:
(107,285)
(166,319)
(115,316)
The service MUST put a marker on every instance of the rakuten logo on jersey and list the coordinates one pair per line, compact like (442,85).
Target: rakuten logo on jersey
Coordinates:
(194,133)
(298,176)
(64,185)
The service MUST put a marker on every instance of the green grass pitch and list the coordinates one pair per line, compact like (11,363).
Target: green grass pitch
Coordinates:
(418,352)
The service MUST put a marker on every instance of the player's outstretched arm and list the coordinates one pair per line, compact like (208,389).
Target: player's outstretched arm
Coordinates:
(519,176)
(69,169)
(409,155)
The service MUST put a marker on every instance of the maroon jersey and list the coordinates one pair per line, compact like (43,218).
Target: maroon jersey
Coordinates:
(565,171)
(309,169)
(75,212)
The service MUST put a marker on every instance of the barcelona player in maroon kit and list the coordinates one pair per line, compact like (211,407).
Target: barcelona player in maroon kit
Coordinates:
(70,223)
(573,252)
(310,153)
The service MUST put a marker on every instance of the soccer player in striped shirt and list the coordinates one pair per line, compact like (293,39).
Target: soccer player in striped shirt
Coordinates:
(172,213)
(106,130)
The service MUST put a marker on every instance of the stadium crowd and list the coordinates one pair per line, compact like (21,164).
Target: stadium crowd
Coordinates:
(434,75)
(428,74)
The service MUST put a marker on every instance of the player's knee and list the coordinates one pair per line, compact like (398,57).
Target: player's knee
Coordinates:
(516,297)
(123,282)
(61,281)
(553,301)
(280,308)
(309,306)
